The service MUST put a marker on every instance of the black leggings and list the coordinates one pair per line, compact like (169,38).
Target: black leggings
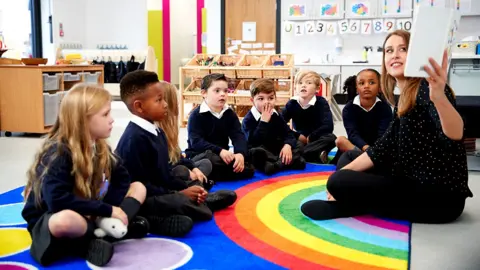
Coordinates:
(358,193)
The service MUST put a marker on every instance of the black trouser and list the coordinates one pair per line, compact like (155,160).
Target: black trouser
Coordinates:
(224,172)
(273,156)
(312,150)
(175,204)
(391,197)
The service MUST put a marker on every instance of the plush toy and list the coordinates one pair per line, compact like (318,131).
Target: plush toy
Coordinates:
(108,226)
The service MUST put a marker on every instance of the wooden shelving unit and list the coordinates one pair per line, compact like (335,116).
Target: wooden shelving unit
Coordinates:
(23,92)
(241,70)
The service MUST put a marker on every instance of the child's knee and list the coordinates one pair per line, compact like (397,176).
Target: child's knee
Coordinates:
(334,182)
(340,140)
(138,191)
(67,223)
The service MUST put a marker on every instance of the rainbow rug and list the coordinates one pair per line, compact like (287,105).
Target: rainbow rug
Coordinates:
(263,230)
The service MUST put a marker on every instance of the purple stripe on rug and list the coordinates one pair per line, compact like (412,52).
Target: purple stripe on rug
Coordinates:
(378,231)
(383,224)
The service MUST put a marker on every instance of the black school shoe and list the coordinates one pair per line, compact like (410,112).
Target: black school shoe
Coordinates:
(99,252)
(208,184)
(174,226)
(220,199)
(137,228)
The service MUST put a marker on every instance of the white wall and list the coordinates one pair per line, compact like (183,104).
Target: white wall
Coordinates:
(47,46)
(72,15)
(117,22)
(93,22)
(183,31)
(213,26)
(15,25)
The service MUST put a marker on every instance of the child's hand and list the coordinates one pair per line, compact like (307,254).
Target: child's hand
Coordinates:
(286,154)
(118,213)
(227,156)
(193,193)
(193,176)
(239,164)
(202,197)
(303,139)
(266,113)
(199,175)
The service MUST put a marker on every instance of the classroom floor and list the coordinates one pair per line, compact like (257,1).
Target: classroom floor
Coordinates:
(451,246)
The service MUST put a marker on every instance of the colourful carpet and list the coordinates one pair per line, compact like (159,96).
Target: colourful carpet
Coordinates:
(264,230)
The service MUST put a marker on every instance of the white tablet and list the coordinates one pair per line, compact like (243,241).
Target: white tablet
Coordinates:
(432,32)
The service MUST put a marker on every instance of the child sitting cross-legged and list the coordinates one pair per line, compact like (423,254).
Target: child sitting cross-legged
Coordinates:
(366,116)
(210,126)
(76,180)
(187,171)
(311,117)
(272,144)
(170,206)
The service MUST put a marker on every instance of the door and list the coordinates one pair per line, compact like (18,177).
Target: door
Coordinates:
(262,12)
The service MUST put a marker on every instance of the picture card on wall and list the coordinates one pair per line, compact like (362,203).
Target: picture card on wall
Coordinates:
(429,40)
(244,51)
(366,28)
(360,9)
(288,26)
(404,24)
(389,25)
(297,10)
(463,6)
(299,28)
(343,27)
(331,28)
(257,45)
(249,31)
(246,46)
(331,9)
(354,26)
(310,27)
(377,26)
(396,8)
(321,27)
(431,3)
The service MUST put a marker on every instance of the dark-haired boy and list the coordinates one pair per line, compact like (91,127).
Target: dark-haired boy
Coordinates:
(211,125)
(144,150)
(272,143)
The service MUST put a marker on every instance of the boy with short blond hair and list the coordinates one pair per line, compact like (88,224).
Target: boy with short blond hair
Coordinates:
(311,117)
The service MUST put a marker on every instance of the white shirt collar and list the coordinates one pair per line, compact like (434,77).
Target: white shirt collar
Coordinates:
(256,114)
(205,108)
(356,101)
(150,127)
(310,103)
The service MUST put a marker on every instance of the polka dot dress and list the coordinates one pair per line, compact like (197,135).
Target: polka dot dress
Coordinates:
(415,147)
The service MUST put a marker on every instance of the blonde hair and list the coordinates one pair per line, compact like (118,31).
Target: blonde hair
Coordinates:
(302,74)
(170,124)
(70,131)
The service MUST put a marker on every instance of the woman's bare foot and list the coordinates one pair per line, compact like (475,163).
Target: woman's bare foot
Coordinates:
(343,144)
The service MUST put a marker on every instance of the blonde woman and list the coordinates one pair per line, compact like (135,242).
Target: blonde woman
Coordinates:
(183,169)
(76,177)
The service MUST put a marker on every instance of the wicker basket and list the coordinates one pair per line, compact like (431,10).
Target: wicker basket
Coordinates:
(242,97)
(225,64)
(249,67)
(271,70)
(197,67)
(192,92)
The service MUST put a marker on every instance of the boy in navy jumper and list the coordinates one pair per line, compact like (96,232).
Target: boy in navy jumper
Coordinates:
(143,147)
(366,117)
(210,126)
(312,118)
(272,144)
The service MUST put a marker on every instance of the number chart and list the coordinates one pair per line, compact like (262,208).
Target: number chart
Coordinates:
(351,27)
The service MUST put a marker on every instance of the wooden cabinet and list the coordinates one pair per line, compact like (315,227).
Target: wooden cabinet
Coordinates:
(28,102)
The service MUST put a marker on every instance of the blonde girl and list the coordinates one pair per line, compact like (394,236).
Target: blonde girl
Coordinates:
(183,169)
(76,178)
